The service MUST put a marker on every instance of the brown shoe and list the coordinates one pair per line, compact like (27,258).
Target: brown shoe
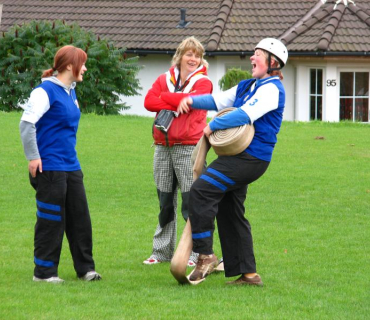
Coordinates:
(243,280)
(205,265)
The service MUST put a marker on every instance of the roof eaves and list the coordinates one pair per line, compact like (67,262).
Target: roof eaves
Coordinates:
(219,25)
(320,54)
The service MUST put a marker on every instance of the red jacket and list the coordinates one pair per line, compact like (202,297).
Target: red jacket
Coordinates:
(187,128)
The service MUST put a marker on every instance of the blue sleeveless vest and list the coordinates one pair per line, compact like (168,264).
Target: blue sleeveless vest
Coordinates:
(57,128)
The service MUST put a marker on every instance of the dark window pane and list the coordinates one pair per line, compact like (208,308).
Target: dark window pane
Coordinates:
(362,110)
(362,84)
(346,106)
(312,108)
(346,84)
(312,81)
(319,81)
(319,108)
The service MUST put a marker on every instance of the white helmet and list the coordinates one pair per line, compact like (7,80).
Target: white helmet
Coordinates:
(276,47)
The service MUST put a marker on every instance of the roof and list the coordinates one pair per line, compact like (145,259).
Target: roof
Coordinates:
(223,26)
(332,27)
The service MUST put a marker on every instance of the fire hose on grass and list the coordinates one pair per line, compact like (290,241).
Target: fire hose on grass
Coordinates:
(225,143)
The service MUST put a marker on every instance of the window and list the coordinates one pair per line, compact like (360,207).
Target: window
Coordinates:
(354,96)
(315,94)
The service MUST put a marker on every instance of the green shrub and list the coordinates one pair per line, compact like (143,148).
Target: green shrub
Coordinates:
(27,50)
(232,77)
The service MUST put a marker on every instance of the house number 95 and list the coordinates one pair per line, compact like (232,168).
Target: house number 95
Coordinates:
(331,83)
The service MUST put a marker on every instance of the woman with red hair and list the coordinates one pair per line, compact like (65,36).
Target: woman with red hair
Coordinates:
(48,131)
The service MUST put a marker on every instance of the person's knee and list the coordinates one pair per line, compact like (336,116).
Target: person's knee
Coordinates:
(167,209)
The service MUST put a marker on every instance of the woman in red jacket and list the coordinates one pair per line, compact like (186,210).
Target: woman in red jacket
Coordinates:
(172,157)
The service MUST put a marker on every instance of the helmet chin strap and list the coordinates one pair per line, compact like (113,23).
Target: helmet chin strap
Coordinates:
(269,70)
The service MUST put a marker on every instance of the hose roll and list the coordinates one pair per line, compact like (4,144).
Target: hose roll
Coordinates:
(231,141)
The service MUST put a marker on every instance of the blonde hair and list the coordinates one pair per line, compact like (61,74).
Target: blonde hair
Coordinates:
(187,44)
(276,64)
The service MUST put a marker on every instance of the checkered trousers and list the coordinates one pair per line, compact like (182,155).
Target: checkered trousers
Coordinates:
(172,171)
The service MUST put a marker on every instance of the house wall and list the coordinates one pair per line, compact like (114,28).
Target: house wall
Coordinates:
(296,82)
(154,65)
(332,67)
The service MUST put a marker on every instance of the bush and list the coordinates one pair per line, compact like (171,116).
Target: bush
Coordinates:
(232,77)
(27,50)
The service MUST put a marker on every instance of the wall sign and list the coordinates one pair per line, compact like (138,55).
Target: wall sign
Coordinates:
(331,82)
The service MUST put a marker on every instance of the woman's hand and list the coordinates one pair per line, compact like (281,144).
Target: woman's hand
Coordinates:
(33,165)
(184,106)
(207,131)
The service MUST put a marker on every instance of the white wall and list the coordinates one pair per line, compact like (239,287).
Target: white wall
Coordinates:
(301,101)
(154,65)
(296,82)
(332,67)
(331,94)
(289,86)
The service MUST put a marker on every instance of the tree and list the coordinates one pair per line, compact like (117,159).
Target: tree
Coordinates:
(232,77)
(27,50)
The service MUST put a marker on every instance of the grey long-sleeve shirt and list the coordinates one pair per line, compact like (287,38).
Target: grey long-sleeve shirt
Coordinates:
(28,136)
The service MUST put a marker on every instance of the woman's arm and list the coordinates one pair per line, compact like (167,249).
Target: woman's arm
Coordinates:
(153,100)
(263,101)
(28,137)
(202,86)
(225,99)
(35,108)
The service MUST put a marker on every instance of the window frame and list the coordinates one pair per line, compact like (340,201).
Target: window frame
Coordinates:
(353,97)
(316,95)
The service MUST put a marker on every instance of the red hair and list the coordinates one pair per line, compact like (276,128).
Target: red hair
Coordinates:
(276,64)
(64,57)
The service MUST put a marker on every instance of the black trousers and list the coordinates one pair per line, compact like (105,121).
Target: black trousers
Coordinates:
(61,207)
(220,193)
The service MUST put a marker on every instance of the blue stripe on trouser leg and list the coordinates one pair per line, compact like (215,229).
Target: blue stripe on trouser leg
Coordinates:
(44,263)
(221,176)
(48,206)
(48,216)
(214,182)
(201,235)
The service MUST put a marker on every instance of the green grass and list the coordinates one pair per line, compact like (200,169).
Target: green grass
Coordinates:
(309,213)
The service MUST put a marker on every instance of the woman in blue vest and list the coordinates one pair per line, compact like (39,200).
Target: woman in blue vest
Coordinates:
(48,131)
(221,190)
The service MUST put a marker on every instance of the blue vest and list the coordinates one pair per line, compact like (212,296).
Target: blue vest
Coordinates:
(266,127)
(57,128)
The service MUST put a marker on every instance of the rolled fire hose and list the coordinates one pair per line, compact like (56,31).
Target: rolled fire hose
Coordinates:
(226,142)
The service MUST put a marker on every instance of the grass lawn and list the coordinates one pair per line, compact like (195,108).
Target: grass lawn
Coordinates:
(310,215)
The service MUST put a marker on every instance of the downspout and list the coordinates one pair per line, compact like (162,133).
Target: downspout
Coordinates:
(295,94)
